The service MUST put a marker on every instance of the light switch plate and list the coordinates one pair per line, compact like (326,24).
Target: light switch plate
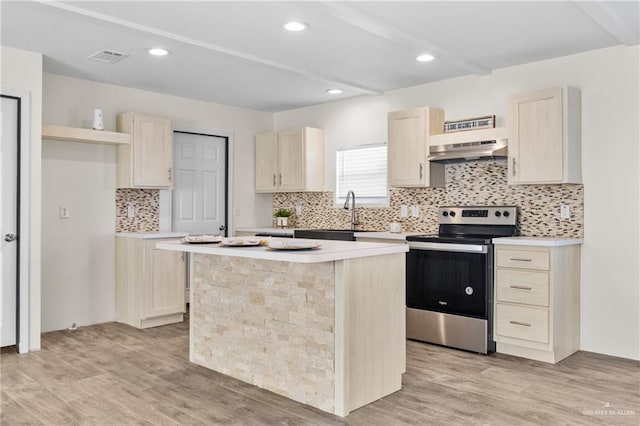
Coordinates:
(404,211)
(415,211)
(131,212)
(63,212)
(565,211)
(299,210)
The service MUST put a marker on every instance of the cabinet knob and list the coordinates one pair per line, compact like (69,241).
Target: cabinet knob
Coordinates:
(513,166)
(274,180)
(280,179)
(169,174)
(421,170)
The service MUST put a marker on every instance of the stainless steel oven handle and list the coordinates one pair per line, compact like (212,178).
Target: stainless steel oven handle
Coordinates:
(460,248)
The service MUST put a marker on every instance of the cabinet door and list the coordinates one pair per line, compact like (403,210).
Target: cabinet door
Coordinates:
(165,281)
(152,152)
(291,160)
(407,148)
(266,170)
(536,149)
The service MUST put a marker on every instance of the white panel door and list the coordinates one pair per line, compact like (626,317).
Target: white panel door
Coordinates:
(199,192)
(8,220)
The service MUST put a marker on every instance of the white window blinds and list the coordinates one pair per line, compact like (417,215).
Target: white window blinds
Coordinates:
(363,170)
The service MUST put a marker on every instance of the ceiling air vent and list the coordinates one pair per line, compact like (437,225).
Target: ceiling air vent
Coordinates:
(108,56)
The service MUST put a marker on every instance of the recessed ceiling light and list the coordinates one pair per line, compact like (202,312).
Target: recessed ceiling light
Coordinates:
(295,26)
(334,91)
(156,51)
(425,58)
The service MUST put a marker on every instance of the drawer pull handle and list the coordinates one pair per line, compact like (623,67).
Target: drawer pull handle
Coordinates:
(521,287)
(524,324)
(519,259)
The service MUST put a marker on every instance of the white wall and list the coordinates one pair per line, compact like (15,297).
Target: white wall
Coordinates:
(22,70)
(609,81)
(78,253)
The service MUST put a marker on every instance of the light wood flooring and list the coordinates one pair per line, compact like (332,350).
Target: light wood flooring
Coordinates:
(113,374)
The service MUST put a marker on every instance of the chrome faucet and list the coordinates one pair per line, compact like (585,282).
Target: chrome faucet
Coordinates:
(353,208)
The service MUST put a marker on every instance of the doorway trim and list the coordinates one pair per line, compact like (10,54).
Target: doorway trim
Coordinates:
(166,201)
(24,213)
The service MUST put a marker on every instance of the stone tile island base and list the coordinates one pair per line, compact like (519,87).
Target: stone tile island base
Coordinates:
(328,334)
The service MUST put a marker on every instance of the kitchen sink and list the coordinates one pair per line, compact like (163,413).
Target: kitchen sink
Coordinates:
(326,234)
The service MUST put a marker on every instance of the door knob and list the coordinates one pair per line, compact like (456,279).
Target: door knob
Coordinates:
(9,237)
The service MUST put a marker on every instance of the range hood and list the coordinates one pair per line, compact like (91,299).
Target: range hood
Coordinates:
(469,145)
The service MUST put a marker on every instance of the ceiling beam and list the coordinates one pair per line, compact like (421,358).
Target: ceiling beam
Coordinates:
(602,14)
(371,25)
(345,85)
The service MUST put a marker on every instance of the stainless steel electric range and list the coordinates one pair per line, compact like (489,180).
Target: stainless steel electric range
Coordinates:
(450,277)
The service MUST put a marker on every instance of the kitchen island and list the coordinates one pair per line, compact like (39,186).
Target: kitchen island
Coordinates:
(325,327)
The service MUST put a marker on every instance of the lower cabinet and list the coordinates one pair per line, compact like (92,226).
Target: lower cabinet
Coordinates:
(150,283)
(537,301)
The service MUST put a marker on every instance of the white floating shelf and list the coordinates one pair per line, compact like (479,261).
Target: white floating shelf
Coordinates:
(75,134)
(468,136)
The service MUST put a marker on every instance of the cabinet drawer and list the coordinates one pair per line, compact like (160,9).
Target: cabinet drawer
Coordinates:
(522,322)
(529,287)
(523,259)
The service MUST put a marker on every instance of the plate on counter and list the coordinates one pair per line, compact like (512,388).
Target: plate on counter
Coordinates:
(244,241)
(202,239)
(293,245)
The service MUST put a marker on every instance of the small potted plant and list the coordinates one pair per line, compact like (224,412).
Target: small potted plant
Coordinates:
(282,217)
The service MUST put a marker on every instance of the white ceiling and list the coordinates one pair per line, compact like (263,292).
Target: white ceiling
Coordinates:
(237,53)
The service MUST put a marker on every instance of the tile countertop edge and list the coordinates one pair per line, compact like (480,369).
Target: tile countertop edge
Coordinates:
(537,241)
(329,251)
(152,235)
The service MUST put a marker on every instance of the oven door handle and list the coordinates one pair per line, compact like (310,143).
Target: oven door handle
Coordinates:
(460,248)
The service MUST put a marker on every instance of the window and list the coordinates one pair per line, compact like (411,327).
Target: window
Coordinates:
(363,170)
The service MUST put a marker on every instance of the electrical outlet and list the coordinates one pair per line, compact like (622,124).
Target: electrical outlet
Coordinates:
(415,211)
(404,212)
(565,211)
(131,212)
(299,210)
(63,212)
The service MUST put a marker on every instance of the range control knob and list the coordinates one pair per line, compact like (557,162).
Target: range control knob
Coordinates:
(452,213)
(505,213)
(498,214)
(445,214)
(468,290)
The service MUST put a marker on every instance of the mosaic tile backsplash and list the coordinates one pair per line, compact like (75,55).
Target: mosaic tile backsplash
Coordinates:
(476,183)
(147,210)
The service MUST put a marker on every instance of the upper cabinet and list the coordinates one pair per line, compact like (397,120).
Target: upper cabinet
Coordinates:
(544,137)
(290,160)
(408,147)
(148,161)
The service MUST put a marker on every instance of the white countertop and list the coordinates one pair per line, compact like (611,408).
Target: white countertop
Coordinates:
(267,230)
(328,251)
(152,235)
(358,234)
(538,241)
(386,235)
